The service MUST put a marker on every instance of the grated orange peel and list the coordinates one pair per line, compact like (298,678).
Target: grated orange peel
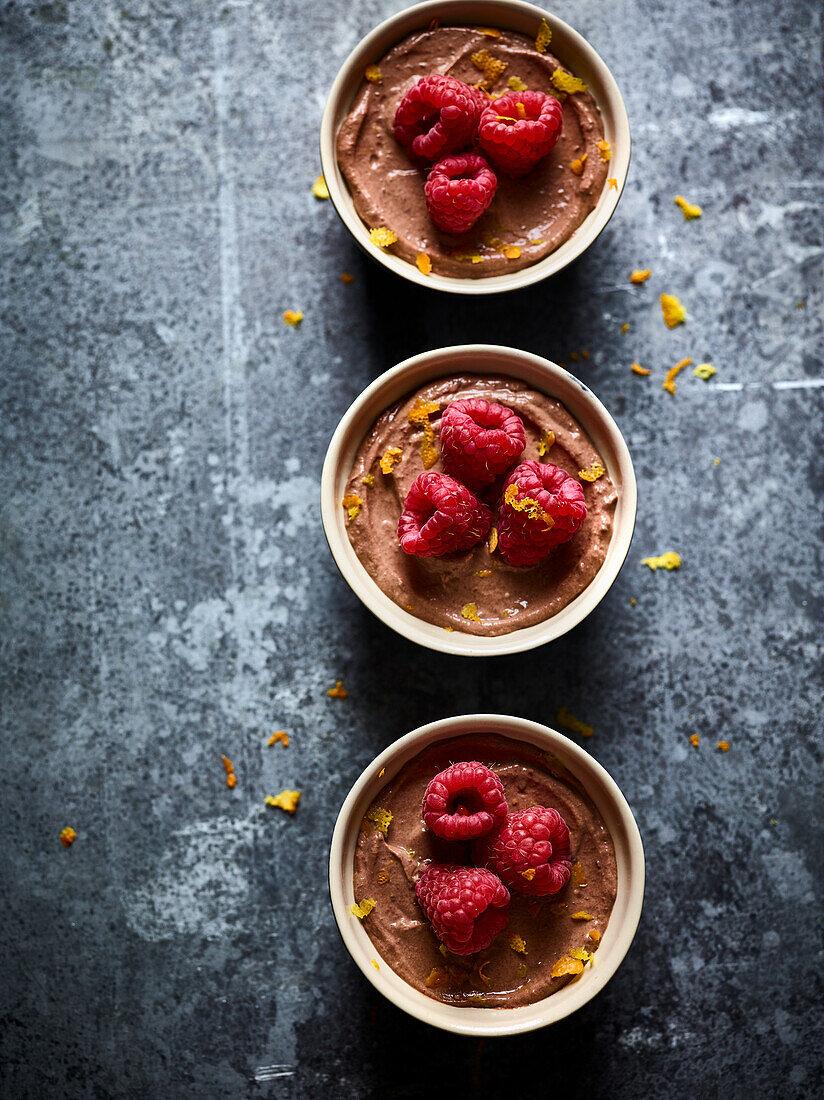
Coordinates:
(674,313)
(543,37)
(672,373)
(352,503)
(566,82)
(362,909)
(640,275)
(380,818)
(592,472)
(292,317)
(567,719)
(389,459)
(68,836)
(287,801)
(338,691)
(382,237)
(688,209)
(669,561)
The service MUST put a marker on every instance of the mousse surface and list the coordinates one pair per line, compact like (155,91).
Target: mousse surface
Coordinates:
(439,590)
(536,214)
(386,868)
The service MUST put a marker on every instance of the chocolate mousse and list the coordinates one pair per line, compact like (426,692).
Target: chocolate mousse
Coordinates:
(547,941)
(475,591)
(530,217)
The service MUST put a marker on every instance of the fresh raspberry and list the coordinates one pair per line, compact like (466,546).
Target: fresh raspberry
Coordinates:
(541,507)
(518,129)
(464,802)
(530,840)
(466,906)
(480,440)
(438,115)
(441,516)
(458,190)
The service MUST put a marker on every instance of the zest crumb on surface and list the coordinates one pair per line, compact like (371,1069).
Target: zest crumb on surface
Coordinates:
(704,371)
(566,82)
(231,778)
(347,277)
(382,236)
(613,182)
(373,74)
(470,611)
(352,503)
(695,740)
(688,209)
(338,691)
(668,561)
(640,275)
(566,966)
(568,720)
(592,473)
(380,818)
(674,313)
(577,165)
(319,188)
(542,39)
(669,382)
(636,368)
(279,736)
(604,150)
(363,909)
(724,746)
(68,836)
(292,317)
(287,801)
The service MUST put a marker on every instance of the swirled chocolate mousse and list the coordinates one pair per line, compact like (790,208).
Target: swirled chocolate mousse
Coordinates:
(524,531)
(527,216)
(492,819)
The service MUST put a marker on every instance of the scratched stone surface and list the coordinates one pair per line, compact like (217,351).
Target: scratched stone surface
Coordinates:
(168,596)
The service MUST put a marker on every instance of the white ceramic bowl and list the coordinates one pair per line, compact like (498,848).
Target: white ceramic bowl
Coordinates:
(569,46)
(541,375)
(629,855)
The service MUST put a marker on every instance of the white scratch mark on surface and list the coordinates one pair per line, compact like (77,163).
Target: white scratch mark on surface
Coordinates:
(728,118)
(271,1073)
(790,384)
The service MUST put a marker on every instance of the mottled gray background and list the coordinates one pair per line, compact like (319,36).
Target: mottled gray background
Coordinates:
(167,594)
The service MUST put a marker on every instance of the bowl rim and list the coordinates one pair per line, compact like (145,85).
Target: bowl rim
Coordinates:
(403,378)
(611,104)
(616,942)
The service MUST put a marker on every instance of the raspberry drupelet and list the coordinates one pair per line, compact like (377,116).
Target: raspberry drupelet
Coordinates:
(541,507)
(480,440)
(519,129)
(464,802)
(530,852)
(458,191)
(441,516)
(438,115)
(466,906)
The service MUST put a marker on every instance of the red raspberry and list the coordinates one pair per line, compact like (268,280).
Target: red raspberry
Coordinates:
(441,516)
(480,440)
(518,129)
(541,507)
(438,115)
(464,802)
(536,840)
(466,906)
(458,191)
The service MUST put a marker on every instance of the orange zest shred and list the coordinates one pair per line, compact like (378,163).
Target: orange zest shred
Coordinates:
(529,874)
(544,37)
(695,740)
(636,368)
(352,503)
(580,953)
(437,977)
(604,150)
(373,74)
(473,257)
(292,317)
(512,252)
(579,875)
(566,82)
(613,182)
(640,275)
(363,909)
(490,66)
(231,778)
(424,263)
(625,327)
(546,441)
(380,818)
(381,772)
(492,541)
(577,166)
(319,188)
(419,415)
(287,801)
(518,943)
(484,572)
(669,382)
(688,209)
(382,237)
(481,969)
(516,84)
(566,967)
(368,480)
(68,836)
(582,916)
(347,277)
(668,561)
(724,746)
(375,963)
(592,472)
(279,736)
(568,720)
(526,504)
(594,936)
(390,458)
(490,32)
(674,313)
(470,611)
(338,691)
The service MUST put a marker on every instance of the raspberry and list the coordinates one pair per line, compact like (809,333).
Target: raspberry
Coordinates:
(464,802)
(534,840)
(458,191)
(438,115)
(441,516)
(541,507)
(518,129)
(466,906)
(480,440)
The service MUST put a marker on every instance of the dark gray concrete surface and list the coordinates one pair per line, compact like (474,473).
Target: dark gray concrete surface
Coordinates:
(167,594)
